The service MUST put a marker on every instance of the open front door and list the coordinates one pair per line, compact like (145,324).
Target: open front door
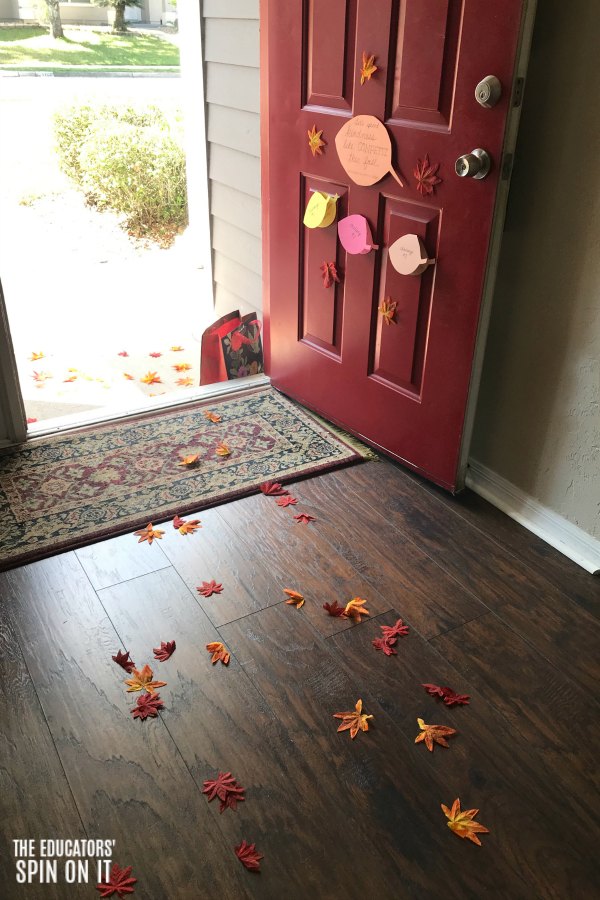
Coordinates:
(386,354)
(13,425)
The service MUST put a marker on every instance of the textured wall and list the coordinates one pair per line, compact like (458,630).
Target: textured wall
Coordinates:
(538,416)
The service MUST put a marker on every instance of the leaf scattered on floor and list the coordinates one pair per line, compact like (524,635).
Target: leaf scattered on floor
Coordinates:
(37,354)
(286,501)
(185,382)
(190,461)
(208,588)
(148,705)
(462,822)
(356,608)
(165,651)
(334,609)
(155,355)
(143,680)
(295,599)
(226,789)
(151,378)
(223,449)
(433,734)
(354,721)
(273,489)
(211,416)
(186,527)
(149,533)
(181,367)
(248,855)
(304,518)
(123,660)
(450,697)
(218,653)
(119,883)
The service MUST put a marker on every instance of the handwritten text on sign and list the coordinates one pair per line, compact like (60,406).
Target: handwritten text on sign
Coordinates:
(365,150)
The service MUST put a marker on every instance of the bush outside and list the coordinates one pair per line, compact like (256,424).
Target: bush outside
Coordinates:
(130,160)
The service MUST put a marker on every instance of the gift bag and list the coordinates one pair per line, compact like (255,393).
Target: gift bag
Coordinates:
(231,348)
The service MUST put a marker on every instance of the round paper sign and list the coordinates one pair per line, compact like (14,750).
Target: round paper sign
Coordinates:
(409,256)
(320,210)
(364,149)
(355,235)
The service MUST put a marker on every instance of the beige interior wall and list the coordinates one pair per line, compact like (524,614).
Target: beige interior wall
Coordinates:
(538,415)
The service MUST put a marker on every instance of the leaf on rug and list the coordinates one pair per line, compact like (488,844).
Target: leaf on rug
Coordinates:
(223,449)
(190,461)
(211,416)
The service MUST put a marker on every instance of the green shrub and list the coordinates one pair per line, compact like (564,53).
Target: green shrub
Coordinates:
(128,159)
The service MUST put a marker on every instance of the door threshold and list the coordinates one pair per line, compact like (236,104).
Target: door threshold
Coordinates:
(97,417)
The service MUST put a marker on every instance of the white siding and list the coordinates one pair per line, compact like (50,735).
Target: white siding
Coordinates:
(231,52)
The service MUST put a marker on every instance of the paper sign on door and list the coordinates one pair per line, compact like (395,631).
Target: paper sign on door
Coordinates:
(321,210)
(355,235)
(364,148)
(409,256)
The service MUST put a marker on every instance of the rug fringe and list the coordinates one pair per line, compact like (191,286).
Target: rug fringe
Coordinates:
(363,450)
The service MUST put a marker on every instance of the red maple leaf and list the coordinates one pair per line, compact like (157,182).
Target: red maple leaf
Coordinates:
(330,274)
(247,854)
(123,353)
(208,588)
(155,355)
(426,176)
(334,609)
(450,697)
(123,660)
(273,489)
(147,705)
(119,883)
(394,631)
(226,788)
(166,649)
(31,420)
(386,645)
(286,501)
(304,518)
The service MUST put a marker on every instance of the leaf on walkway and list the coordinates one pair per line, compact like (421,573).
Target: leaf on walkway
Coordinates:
(149,533)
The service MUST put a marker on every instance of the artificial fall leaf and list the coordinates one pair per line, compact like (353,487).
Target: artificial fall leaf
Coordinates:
(211,416)
(128,376)
(330,274)
(151,378)
(185,382)
(462,823)
(396,630)
(355,608)
(149,533)
(304,518)
(353,721)
(69,379)
(433,734)
(314,141)
(181,367)
(226,789)
(186,527)
(208,588)
(120,882)
(273,489)
(31,420)
(386,645)
(387,309)
(155,355)
(41,377)
(176,348)
(218,652)
(189,461)
(450,697)
(368,68)
(37,354)
(334,609)
(165,651)
(248,855)
(296,599)
(286,501)
(148,705)
(123,353)
(222,449)
(426,176)
(123,660)
(142,681)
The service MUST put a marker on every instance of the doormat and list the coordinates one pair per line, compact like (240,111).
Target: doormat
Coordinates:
(65,491)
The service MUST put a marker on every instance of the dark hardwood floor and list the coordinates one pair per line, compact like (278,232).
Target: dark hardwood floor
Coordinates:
(492,611)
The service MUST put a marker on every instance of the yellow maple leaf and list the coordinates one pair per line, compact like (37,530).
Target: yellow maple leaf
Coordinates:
(387,309)
(142,681)
(368,68)
(151,378)
(356,608)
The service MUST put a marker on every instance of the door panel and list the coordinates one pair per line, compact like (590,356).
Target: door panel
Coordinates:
(404,386)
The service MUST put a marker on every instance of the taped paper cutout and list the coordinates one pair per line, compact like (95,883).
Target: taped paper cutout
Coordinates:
(364,149)
(321,210)
(355,235)
(409,256)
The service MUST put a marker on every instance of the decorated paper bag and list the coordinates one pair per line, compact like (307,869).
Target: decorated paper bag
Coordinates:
(242,348)
(212,362)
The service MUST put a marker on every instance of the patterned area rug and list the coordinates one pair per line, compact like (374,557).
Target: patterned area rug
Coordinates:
(63,492)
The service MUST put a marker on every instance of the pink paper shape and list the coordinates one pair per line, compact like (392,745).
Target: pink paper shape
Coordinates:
(355,235)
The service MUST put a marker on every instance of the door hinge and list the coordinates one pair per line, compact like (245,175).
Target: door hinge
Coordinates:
(518,92)
(507,164)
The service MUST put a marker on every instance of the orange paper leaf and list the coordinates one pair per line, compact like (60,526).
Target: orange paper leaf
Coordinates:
(433,734)
(185,382)
(223,449)
(314,141)
(143,681)
(181,367)
(296,599)
(37,354)
(189,461)
(462,823)
(186,527)
(218,653)
(353,721)
(128,376)
(356,608)
(176,348)
(151,378)
(387,309)
(149,533)
(368,68)
(211,416)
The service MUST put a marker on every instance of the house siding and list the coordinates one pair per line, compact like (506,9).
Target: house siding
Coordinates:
(231,52)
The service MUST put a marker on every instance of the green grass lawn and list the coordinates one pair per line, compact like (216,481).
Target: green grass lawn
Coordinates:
(30,47)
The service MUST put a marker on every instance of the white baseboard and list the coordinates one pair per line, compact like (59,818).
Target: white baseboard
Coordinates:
(551,527)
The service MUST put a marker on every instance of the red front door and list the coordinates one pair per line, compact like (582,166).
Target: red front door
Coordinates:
(401,383)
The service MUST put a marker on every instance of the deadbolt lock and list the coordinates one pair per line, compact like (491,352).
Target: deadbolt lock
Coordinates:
(488,91)
(473,165)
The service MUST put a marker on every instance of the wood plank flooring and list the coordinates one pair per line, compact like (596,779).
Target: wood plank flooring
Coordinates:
(492,611)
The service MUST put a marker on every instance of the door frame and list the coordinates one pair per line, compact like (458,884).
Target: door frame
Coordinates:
(13,419)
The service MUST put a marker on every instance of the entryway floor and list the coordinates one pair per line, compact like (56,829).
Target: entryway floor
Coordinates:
(493,613)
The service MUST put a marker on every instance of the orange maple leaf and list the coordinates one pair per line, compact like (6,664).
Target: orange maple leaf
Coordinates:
(296,599)
(223,449)
(190,461)
(186,527)
(368,68)
(176,349)
(185,382)
(211,416)
(314,141)
(181,367)
(433,734)
(142,681)
(462,823)
(151,378)
(70,378)
(149,533)
(353,721)
(128,376)
(387,308)
(356,608)
(218,653)
(37,354)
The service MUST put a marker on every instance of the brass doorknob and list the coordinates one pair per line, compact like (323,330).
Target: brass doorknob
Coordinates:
(475,164)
